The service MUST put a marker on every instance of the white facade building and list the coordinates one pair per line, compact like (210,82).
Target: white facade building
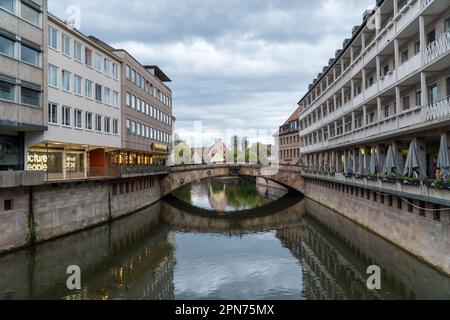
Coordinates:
(84,109)
(382,106)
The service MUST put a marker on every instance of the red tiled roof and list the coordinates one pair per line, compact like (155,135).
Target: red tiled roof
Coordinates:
(295,115)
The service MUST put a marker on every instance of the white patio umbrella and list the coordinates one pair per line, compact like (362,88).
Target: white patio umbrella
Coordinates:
(360,163)
(374,163)
(443,162)
(412,164)
(349,164)
(390,165)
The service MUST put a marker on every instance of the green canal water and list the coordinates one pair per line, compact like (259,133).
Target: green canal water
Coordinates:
(222,239)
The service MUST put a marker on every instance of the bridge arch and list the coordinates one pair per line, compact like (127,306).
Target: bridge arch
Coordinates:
(180,176)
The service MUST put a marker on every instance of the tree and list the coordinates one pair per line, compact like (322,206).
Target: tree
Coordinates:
(178,139)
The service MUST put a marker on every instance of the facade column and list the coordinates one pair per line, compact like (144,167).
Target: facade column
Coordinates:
(343,124)
(364,81)
(364,120)
(342,66)
(64,159)
(397,53)
(352,88)
(424,88)
(335,101)
(398,101)
(378,62)
(422,34)
(352,54)
(379,109)
(334,74)
(329,131)
(353,126)
(335,128)
(343,96)
(339,167)
(363,41)
(328,107)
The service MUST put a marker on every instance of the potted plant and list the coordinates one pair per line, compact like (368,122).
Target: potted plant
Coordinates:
(391,178)
(412,181)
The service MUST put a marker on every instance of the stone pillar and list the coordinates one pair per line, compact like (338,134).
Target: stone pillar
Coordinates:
(353,126)
(335,128)
(378,62)
(424,88)
(422,34)
(396,54)
(379,111)
(335,101)
(329,131)
(334,74)
(342,65)
(328,107)
(364,81)
(364,120)
(343,96)
(352,54)
(398,101)
(395,4)
(343,124)
(339,164)
(352,88)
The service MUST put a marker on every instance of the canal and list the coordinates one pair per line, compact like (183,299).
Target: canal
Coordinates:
(225,238)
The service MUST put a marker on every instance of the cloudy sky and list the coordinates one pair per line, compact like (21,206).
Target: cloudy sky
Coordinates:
(236,65)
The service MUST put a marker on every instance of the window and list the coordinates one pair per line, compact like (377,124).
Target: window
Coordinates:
(431,37)
(89,88)
(7,90)
(78,51)
(107,96)
(77,85)
(448,86)
(8,205)
(107,125)
(88,121)
(29,55)
(133,76)
(78,117)
(417,48)
(98,123)
(133,127)
(115,99)
(432,93)
(128,125)
(418,98)
(115,126)
(386,111)
(52,75)
(138,104)
(7,5)
(30,14)
(133,102)
(52,113)
(6,46)
(447,25)
(98,92)
(88,57)
(128,99)
(30,96)
(98,62)
(128,72)
(66,80)
(405,56)
(52,38)
(386,70)
(107,67)
(406,104)
(65,45)
(66,116)
(115,71)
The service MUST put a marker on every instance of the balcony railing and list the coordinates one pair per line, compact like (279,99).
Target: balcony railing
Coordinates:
(410,66)
(388,80)
(406,14)
(438,48)
(426,3)
(437,110)
(386,36)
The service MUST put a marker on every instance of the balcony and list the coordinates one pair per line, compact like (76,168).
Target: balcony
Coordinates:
(407,14)
(371,91)
(386,36)
(359,99)
(438,110)
(387,80)
(438,48)
(409,67)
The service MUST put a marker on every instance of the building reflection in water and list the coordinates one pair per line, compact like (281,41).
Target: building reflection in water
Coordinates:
(141,257)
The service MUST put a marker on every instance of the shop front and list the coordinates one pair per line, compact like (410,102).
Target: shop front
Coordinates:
(123,158)
(11,152)
(58,163)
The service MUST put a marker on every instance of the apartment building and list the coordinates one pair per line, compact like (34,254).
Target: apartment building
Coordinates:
(288,140)
(147,121)
(23,32)
(84,110)
(381,106)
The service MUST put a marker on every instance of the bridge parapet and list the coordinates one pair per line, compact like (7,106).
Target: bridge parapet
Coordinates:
(288,176)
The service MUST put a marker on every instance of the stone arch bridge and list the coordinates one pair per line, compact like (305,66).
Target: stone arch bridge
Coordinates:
(287,176)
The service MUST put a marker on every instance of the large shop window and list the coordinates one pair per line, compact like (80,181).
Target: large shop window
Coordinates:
(54,161)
